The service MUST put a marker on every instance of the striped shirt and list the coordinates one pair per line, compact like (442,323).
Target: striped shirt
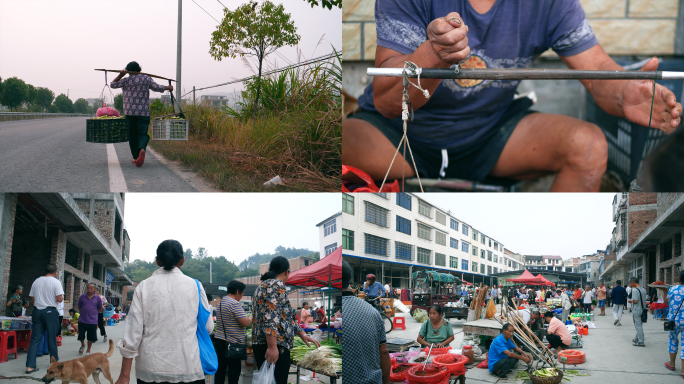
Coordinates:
(228,312)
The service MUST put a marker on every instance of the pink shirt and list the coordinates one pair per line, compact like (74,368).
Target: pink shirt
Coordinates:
(558,328)
(306,316)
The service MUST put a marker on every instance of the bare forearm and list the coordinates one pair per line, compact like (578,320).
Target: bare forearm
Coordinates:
(385,364)
(607,93)
(126,367)
(387,91)
(272,342)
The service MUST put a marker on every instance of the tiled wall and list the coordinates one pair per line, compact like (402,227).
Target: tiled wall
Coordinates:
(623,27)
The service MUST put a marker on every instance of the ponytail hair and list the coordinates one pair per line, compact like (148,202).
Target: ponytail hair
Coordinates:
(169,253)
(278,265)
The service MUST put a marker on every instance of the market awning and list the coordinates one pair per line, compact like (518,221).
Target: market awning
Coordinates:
(319,273)
(546,281)
(526,278)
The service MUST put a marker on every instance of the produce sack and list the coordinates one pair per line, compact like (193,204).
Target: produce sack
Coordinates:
(491,309)
(420,315)
(484,363)
(107,111)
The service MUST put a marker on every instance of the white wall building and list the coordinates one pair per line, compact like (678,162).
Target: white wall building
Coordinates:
(392,235)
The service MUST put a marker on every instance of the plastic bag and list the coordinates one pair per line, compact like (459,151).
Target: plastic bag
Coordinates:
(491,309)
(265,375)
(484,363)
(107,111)
(369,186)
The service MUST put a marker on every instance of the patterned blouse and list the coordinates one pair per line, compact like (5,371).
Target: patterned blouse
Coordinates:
(675,295)
(16,304)
(136,91)
(273,314)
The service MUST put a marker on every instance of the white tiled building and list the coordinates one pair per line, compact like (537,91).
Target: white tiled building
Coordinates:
(393,235)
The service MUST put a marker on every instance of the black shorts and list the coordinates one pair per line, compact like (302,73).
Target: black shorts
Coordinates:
(472,164)
(89,329)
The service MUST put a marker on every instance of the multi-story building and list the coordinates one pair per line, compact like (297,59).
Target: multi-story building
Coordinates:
(550,263)
(393,235)
(81,233)
(214,100)
(647,238)
(516,261)
(590,266)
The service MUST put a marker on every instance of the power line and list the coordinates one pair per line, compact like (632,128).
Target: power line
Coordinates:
(221,4)
(206,12)
(310,61)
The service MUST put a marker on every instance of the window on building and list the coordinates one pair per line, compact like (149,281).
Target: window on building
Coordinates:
(465,229)
(403,251)
(440,238)
(482,268)
(404,200)
(482,239)
(347,203)
(464,265)
(453,262)
(496,270)
(376,245)
(330,248)
(376,214)
(383,195)
(440,259)
(97,271)
(465,246)
(117,227)
(424,209)
(489,269)
(496,246)
(454,225)
(474,250)
(424,256)
(489,256)
(347,239)
(490,243)
(482,253)
(474,266)
(424,232)
(453,243)
(330,227)
(71,255)
(440,217)
(403,225)
(475,233)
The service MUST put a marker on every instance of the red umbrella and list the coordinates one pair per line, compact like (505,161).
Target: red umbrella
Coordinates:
(325,272)
(546,281)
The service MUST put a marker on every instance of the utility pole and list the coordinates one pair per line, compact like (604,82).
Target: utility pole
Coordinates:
(193,95)
(178,53)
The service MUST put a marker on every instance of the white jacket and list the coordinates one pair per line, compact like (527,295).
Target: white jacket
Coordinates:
(160,328)
(565,301)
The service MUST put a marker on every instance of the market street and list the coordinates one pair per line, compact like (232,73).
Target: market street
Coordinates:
(611,358)
(14,370)
(48,155)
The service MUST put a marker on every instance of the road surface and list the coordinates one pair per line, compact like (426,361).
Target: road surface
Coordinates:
(52,155)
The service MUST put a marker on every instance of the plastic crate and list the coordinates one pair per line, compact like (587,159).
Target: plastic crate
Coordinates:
(630,143)
(106,130)
(170,129)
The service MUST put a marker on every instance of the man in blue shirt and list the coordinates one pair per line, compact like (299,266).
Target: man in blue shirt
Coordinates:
(502,356)
(373,288)
(619,296)
(473,129)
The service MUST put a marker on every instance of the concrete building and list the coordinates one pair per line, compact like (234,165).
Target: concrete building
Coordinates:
(214,100)
(83,234)
(516,260)
(647,238)
(393,235)
(590,267)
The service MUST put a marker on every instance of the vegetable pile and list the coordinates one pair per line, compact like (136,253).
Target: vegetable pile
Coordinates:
(248,337)
(549,372)
(420,315)
(326,360)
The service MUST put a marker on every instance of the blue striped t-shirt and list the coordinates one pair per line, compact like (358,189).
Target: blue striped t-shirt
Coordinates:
(228,328)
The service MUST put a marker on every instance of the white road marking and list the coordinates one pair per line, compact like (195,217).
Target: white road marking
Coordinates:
(117,183)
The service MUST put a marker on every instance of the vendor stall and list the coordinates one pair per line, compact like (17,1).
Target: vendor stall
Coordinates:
(484,327)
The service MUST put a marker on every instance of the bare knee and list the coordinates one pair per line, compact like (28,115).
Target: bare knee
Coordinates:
(587,149)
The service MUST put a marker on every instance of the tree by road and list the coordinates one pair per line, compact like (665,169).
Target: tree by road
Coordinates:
(253,30)
(44,97)
(30,95)
(81,106)
(118,103)
(326,3)
(64,104)
(14,92)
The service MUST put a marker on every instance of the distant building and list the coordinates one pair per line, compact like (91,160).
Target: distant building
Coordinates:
(214,100)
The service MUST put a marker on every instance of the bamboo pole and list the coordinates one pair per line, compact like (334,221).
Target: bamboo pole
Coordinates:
(134,73)
(524,73)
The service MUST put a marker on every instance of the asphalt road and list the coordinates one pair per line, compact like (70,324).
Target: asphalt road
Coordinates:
(51,155)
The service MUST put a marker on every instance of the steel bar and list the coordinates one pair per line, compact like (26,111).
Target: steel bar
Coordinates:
(135,73)
(524,73)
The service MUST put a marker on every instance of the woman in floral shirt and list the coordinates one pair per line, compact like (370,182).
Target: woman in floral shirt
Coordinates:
(674,298)
(274,325)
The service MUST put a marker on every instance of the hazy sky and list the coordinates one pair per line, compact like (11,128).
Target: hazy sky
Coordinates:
(58,43)
(234,225)
(568,225)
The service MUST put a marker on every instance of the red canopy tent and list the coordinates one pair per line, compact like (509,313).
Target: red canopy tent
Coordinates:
(546,281)
(526,278)
(326,272)
(323,273)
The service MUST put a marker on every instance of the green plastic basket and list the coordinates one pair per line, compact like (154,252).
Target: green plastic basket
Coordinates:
(106,130)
